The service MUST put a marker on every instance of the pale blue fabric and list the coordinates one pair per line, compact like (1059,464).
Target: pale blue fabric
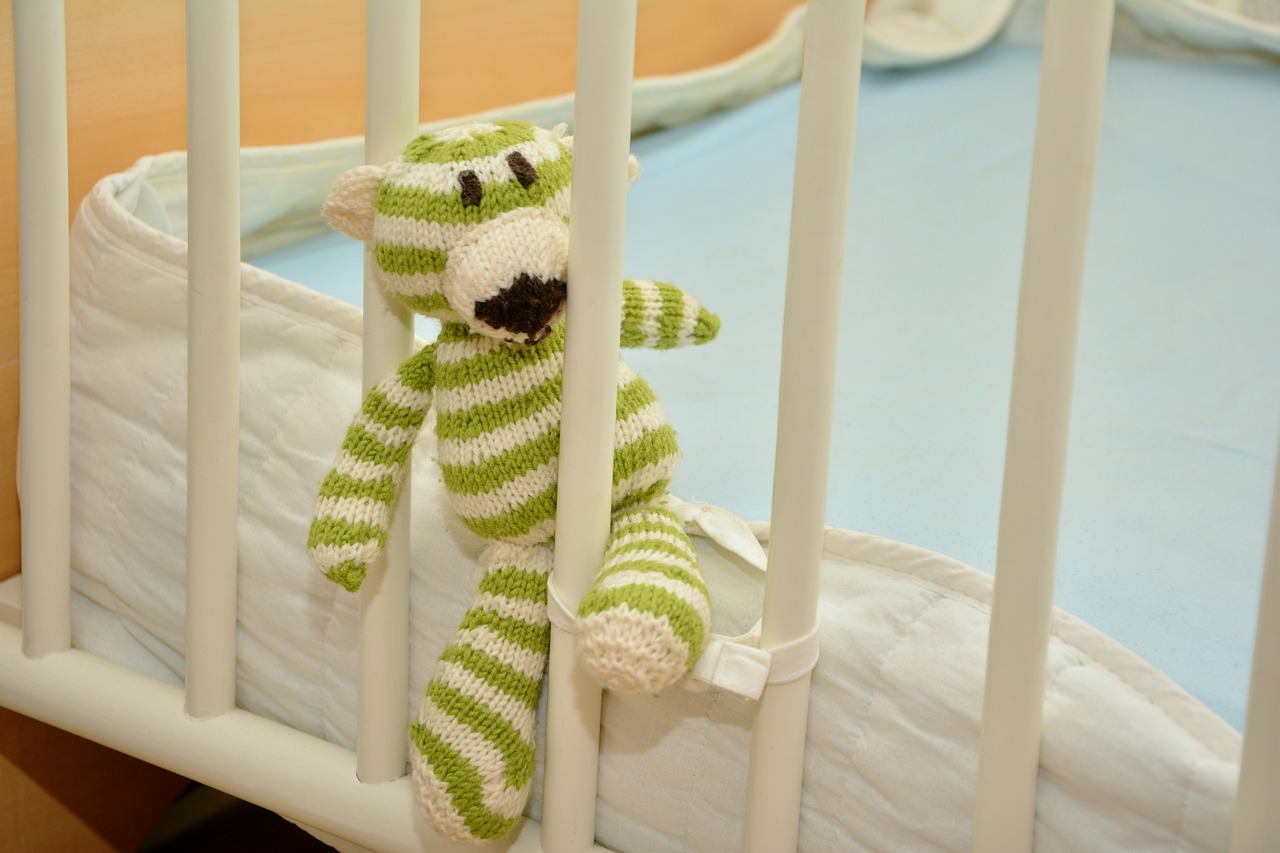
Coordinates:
(1177,408)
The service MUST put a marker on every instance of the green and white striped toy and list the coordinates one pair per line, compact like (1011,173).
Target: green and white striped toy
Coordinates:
(469,225)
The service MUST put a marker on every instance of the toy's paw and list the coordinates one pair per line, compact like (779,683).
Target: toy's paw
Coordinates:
(661,316)
(349,575)
(706,327)
(462,783)
(473,741)
(343,562)
(631,651)
(349,529)
(645,620)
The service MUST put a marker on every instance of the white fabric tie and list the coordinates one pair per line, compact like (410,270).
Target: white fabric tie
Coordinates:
(739,665)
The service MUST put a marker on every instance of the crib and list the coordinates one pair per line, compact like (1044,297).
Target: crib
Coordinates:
(359,798)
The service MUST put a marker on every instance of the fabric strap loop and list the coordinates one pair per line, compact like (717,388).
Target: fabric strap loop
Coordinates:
(739,665)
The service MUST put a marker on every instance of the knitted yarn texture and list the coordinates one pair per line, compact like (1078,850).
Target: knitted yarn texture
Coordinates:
(470,225)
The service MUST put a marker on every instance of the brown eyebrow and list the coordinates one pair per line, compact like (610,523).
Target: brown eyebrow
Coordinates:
(522,169)
(471,189)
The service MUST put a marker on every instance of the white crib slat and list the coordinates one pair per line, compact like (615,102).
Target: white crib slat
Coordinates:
(44,424)
(1257,818)
(602,135)
(1073,75)
(391,122)
(824,164)
(213,323)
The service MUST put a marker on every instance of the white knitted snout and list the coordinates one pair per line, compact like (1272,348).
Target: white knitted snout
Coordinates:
(528,241)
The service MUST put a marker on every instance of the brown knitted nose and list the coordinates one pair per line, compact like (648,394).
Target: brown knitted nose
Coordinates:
(526,307)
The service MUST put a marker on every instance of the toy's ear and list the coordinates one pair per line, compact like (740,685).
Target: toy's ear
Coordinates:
(633,165)
(349,207)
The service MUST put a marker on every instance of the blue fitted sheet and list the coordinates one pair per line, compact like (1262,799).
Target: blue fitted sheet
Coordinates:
(1177,404)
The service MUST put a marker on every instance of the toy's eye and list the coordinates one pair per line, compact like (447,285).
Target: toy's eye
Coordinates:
(522,169)
(471,189)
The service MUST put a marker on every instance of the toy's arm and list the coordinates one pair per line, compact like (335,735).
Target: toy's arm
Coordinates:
(353,509)
(662,316)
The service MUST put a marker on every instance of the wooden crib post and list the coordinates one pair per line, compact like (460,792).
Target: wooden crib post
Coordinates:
(823,170)
(213,353)
(391,121)
(1077,40)
(1257,820)
(602,136)
(39,48)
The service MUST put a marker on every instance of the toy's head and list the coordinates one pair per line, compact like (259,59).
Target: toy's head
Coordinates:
(470,225)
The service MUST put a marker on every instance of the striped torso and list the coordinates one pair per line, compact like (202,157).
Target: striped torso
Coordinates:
(498,430)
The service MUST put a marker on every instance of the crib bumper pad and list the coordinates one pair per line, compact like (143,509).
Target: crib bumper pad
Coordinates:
(1129,761)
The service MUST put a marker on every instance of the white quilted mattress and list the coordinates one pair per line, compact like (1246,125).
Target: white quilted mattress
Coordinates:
(1130,761)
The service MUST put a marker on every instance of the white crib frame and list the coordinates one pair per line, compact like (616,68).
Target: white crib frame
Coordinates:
(363,797)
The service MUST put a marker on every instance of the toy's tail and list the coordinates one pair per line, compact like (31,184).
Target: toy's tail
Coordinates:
(473,741)
(353,510)
(646,618)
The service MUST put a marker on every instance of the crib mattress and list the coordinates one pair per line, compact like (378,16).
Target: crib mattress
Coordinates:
(1130,760)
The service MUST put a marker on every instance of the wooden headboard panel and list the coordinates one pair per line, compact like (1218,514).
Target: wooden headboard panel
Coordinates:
(302,79)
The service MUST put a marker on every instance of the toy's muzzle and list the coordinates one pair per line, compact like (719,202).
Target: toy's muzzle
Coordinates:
(528,307)
(508,277)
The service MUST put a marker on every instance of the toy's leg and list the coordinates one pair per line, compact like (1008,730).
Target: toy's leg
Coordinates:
(645,620)
(473,741)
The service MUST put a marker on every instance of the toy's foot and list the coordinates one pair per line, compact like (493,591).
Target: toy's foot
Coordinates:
(645,620)
(473,741)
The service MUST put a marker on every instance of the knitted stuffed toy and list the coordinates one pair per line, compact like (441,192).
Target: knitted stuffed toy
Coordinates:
(469,225)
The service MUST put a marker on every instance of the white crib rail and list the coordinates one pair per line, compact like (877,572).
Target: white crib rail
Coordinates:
(272,765)
(391,120)
(39,48)
(824,166)
(213,353)
(602,134)
(1077,41)
(1256,826)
